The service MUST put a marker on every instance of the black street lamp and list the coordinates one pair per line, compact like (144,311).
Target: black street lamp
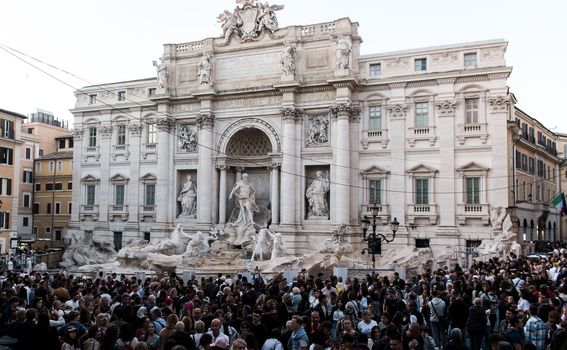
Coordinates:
(375,239)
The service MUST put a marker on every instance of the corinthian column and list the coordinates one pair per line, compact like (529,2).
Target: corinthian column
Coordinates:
(166,126)
(275,192)
(205,121)
(222,194)
(290,115)
(342,113)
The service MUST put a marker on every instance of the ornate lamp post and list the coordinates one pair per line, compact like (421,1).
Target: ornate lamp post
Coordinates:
(375,239)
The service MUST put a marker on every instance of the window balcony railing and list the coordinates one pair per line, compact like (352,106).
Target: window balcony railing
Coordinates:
(383,212)
(89,211)
(147,211)
(422,211)
(473,211)
(422,134)
(472,130)
(374,135)
(118,211)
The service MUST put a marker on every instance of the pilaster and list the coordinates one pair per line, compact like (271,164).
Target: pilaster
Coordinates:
(205,121)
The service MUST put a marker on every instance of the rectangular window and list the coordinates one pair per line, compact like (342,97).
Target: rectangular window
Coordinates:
(4,220)
(470,59)
(5,187)
(151,91)
(152,133)
(59,166)
(48,211)
(37,187)
(375,118)
(25,221)
(119,194)
(92,137)
(58,234)
(69,185)
(531,165)
(524,162)
(422,191)
(375,69)
(121,95)
(150,194)
(117,241)
(70,143)
(36,208)
(472,190)
(121,135)
(37,167)
(531,135)
(92,99)
(471,110)
(90,195)
(58,186)
(61,143)
(48,229)
(51,166)
(420,64)
(28,153)
(7,129)
(518,160)
(147,236)
(70,207)
(6,156)
(375,194)
(40,152)
(27,200)
(421,115)
(27,178)
(57,208)
(49,187)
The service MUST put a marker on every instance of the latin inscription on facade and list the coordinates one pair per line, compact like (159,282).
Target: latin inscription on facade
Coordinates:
(248,66)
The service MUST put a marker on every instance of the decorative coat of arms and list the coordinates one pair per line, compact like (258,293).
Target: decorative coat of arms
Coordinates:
(249,20)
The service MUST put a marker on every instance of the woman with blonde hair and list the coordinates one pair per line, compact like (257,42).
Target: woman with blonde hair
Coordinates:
(168,330)
(239,344)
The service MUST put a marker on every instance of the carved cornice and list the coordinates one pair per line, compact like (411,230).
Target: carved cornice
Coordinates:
(399,85)
(499,103)
(311,89)
(446,108)
(135,129)
(291,113)
(446,80)
(422,83)
(165,123)
(345,110)
(397,111)
(105,130)
(495,76)
(472,78)
(78,134)
(379,87)
(235,95)
(206,119)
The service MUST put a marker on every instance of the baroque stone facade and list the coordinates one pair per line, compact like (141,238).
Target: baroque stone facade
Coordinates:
(421,133)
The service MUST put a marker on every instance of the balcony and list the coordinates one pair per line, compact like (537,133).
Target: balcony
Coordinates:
(117,212)
(147,212)
(120,151)
(374,135)
(422,134)
(383,217)
(422,211)
(89,211)
(472,130)
(473,211)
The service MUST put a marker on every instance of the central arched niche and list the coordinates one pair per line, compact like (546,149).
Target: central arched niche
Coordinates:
(248,151)
(250,142)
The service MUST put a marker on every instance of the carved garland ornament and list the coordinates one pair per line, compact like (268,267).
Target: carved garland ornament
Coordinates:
(105,131)
(345,109)
(446,108)
(135,129)
(499,103)
(397,111)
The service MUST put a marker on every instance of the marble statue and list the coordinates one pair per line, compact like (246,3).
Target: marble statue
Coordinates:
(267,18)
(162,74)
(338,242)
(200,244)
(205,69)
(317,196)
(173,245)
(188,197)
(344,48)
(287,60)
(228,23)
(262,245)
(187,138)
(278,249)
(317,132)
(243,226)
(82,249)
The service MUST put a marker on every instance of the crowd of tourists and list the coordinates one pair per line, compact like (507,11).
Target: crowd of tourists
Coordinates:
(507,303)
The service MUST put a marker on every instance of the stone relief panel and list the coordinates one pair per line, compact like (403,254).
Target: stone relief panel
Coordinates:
(186,73)
(187,138)
(247,66)
(317,58)
(317,130)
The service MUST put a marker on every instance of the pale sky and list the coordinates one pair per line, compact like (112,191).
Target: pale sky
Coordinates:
(115,40)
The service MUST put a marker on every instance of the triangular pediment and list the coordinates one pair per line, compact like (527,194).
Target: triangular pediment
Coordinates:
(149,177)
(119,177)
(472,167)
(422,169)
(374,170)
(89,178)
